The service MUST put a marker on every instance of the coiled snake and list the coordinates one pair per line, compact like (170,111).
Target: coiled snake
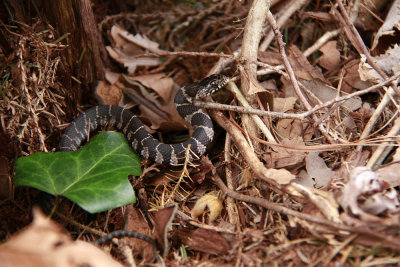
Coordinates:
(142,141)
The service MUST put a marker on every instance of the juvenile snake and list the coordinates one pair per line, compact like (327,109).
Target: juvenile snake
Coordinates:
(142,141)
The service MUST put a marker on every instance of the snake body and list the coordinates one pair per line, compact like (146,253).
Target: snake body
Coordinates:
(142,141)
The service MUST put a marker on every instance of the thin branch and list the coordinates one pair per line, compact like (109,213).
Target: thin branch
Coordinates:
(184,53)
(382,151)
(299,116)
(260,124)
(391,242)
(320,42)
(289,10)
(230,203)
(272,176)
(359,43)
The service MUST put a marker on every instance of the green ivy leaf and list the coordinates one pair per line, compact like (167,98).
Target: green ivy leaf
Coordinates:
(95,176)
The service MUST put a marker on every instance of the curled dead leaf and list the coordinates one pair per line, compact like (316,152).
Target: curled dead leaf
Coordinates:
(45,243)
(212,202)
(126,46)
(366,193)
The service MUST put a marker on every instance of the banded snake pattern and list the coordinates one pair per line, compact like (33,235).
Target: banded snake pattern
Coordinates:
(142,141)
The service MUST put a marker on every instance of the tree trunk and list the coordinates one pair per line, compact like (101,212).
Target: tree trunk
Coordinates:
(74,23)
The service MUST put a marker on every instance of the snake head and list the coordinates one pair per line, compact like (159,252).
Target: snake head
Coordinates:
(210,85)
(204,87)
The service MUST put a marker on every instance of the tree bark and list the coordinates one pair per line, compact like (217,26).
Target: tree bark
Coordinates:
(73,22)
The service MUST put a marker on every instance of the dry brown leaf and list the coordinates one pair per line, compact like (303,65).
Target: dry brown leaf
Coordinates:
(255,87)
(268,57)
(158,89)
(331,56)
(351,79)
(302,67)
(162,219)
(284,104)
(158,82)
(324,93)
(307,34)
(391,173)
(108,94)
(367,195)
(367,72)
(318,175)
(139,40)
(199,173)
(111,77)
(349,122)
(289,128)
(269,85)
(136,222)
(283,158)
(321,199)
(209,201)
(208,241)
(390,61)
(284,127)
(314,81)
(131,63)
(390,28)
(281,176)
(126,47)
(45,243)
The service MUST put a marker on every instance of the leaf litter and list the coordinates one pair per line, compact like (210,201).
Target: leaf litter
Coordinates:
(343,200)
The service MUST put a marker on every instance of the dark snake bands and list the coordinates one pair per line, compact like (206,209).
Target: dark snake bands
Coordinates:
(142,141)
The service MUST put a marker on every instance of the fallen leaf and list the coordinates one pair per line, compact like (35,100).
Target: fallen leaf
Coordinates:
(255,87)
(284,104)
(351,79)
(284,158)
(302,67)
(324,93)
(162,219)
(290,128)
(313,79)
(208,241)
(307,34)
(126,47)
(280,176)
(269,85)
(367,72)
(45,243)
(140,40)
(389,31)
(209,201)
(318,175)
(135,222)
(331,56)
(268,57)
(323,200)
(367,195)
(111,77)
(108,94)
(389,62)
(161,84)
(199,173)
(163,102)
(390,173)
